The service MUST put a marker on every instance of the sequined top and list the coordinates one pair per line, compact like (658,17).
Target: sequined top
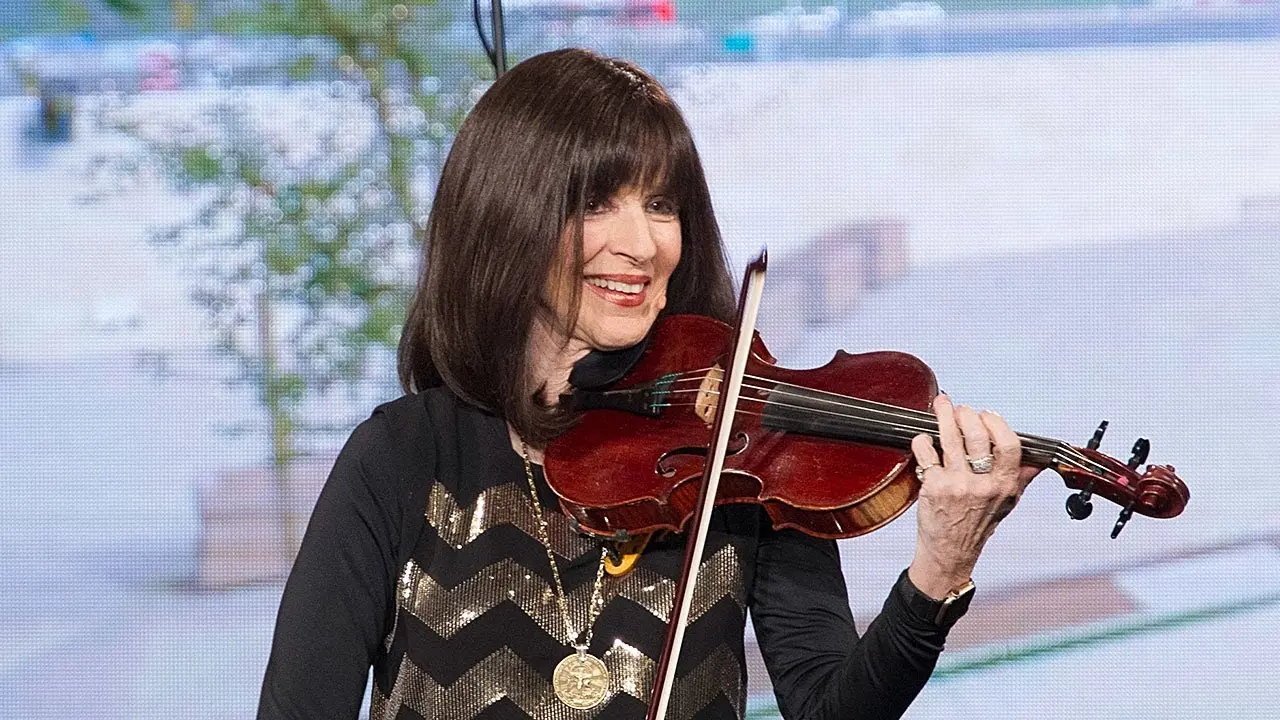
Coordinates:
(422,561)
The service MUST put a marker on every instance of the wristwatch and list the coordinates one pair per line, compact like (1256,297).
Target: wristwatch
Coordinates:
(942,613)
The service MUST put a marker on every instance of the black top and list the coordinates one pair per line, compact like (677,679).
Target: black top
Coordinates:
(422,561)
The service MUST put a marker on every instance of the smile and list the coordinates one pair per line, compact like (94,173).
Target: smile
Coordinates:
(624,291)
(629,288)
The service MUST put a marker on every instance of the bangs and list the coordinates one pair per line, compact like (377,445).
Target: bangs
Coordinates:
(646,146)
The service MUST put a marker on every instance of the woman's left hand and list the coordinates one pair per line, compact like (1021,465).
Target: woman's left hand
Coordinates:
(964,494)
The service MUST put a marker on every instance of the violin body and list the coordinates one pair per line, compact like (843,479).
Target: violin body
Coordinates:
(619,469)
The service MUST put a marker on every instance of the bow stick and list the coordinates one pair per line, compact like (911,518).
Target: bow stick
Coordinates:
(722,429)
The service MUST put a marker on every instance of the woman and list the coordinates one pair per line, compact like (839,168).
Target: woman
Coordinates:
(571,213)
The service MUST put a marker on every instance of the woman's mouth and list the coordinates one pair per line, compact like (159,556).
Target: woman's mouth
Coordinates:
(626,291)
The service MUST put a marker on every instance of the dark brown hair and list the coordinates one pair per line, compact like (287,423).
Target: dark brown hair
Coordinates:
(554,131)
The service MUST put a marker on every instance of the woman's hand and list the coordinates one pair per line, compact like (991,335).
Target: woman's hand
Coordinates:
(964,494)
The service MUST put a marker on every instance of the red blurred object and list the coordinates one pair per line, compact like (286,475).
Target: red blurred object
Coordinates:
(662,11)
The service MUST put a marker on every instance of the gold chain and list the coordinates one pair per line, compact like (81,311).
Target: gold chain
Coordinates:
(596,596)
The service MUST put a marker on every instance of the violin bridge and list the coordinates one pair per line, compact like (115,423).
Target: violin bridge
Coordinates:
(709,395)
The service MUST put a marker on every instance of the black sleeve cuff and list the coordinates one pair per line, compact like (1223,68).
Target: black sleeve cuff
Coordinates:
(923,610)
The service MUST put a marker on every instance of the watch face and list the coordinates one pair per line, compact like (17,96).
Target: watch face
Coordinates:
(955,604)
(962,591)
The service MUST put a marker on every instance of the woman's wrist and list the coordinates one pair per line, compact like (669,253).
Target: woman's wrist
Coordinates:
(933,580)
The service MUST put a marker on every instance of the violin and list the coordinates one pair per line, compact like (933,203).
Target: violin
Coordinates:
(825,451)
(705,416)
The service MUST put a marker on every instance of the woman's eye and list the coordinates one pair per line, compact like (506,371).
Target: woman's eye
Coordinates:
(593,207)
(664,206)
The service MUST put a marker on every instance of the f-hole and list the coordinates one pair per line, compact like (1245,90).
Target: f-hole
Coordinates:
(737,444)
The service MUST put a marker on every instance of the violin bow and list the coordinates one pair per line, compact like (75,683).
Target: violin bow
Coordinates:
(721,430)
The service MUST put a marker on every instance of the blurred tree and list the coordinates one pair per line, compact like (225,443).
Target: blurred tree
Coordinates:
(303,241)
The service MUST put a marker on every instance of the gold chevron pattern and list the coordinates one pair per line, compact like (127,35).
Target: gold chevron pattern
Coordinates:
(719,576)
(505,675)
(446,611)
(499,505)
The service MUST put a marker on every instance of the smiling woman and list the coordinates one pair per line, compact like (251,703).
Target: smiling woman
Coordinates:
(550,175)
(572,213)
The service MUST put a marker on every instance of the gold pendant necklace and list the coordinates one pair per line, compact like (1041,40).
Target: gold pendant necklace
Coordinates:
(581,680)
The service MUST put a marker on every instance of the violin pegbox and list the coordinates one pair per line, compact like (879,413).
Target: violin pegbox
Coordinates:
(1156,492)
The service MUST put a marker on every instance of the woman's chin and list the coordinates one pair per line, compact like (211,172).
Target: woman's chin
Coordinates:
(618,338)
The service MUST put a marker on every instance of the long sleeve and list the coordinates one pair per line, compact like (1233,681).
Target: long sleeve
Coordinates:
(334,611)
(821,669)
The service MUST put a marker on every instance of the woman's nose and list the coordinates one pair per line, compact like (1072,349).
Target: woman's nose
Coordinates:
(633,234)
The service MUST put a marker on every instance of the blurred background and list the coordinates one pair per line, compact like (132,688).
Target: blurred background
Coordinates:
(1070,210)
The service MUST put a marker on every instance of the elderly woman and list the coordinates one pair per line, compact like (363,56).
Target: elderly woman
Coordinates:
(571,214)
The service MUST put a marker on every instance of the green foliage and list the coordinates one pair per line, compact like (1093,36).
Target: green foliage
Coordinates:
(131,9)
(235,22)
(66,15)
(304,265)
(198,165)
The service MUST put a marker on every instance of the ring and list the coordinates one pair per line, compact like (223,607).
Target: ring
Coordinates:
(981,464)
(921,469)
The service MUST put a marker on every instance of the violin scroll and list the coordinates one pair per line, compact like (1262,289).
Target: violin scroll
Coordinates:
(1156,492)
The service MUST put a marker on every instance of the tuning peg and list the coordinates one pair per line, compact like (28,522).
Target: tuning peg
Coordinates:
(1140,450)
(1078,505)
(1125,514)
(1096,440)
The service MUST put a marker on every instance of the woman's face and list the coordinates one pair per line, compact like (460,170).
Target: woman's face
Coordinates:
(630,247)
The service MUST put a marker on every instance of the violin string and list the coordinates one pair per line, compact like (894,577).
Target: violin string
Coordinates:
(817,395)
(699,375)
(917,423)
(928,423)
(925,422)
(1052,447)
(1048,444)
(902,430)
(927,418)
(895,430)
(885,431)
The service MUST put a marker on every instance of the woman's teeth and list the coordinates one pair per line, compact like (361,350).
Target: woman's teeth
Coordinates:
(616,286)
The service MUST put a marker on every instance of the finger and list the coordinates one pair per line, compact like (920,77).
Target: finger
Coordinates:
(1005,445)
(949,434)
(922,448)
(977,441)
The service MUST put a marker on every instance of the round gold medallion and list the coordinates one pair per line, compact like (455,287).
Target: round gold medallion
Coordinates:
(581,681)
